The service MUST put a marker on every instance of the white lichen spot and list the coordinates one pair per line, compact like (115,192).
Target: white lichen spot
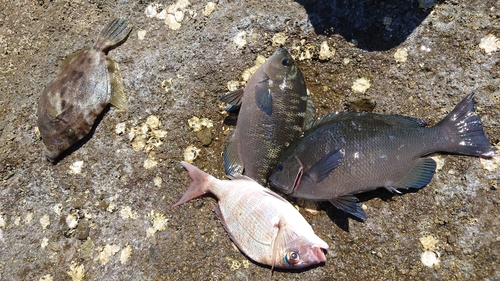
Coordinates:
(76,168)
(45,221)
(439,161)
(127,213)
(76,272)
(325,52)
(71,221)
(190,153)
(44,243)
(311,211)
(429,258)
(240,39)
(47,277)
(360,85)
(125,254)
(489,44)
(57,208)
(150,163)
(107,252)
(141,34)
(233,85)
(279,39)
(401,55)
(425,48)
(120,128)
(158,221)
(28,218)
(209,9)
(17,221)
(2,221)
(491,164)
(429,242)
(152,10)
(172,23)
(157,181)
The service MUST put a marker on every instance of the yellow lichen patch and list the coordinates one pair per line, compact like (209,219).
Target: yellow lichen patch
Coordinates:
(401,55)
(233,85)
(247,73)
(141,34)
(76,272)
(439,161)
(28,218)
(210,7)
(44,243)
(235,264)
(430,256)
(190,153)
(158,221)
(107,252)
(47,277)
(125,254)
(429,242)
(2,221)
(197,124)
(325,52)
(279,39)
(492,163)
(157,181)
(45,221)
(127,213)
(150,163)
(360,85)
(146,137)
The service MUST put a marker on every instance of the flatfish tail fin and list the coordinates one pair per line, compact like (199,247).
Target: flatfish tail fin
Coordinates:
(463,131)
(113,34)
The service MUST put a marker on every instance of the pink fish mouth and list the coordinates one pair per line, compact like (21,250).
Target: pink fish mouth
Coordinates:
(319,254)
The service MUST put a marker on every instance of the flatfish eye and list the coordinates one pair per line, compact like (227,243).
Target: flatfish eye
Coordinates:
(291,258)
(285,62)
(70,132)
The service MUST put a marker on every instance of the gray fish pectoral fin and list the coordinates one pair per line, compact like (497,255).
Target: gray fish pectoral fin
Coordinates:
(263,97)
(419,176)
(321,169)
(233,165)
(233,99)
(349,204)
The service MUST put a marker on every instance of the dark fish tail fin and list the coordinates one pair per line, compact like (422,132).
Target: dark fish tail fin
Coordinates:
(463,132)
(114,33)
(200,183)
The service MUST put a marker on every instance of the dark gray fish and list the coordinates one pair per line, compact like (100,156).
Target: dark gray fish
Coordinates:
(273,110)
(87,82)
(347,153)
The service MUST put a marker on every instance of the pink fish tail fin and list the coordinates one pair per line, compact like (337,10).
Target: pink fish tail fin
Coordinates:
(113,34)
(200,183)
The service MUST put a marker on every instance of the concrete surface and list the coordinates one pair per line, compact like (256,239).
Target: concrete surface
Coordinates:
(110,219)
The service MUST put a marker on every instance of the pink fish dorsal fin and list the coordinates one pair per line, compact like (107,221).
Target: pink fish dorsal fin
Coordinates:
(269,192)
(200,183)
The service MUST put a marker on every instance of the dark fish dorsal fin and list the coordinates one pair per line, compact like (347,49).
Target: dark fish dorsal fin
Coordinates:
(391,120)
(399,120)
(349,204)
(263,97)
(419,176)
(233,165)
(321,169)
(233,99)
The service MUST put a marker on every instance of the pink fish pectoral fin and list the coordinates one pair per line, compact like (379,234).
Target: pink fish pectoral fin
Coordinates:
(419,176)
(321,169)
(263,97)
(233,99)
(233,165)
(224,224)
(349,204)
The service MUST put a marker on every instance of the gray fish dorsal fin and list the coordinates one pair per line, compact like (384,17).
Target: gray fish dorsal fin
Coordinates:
(233,165)
(392,119)
(420,175)
(349,204)
(113,34)
(233,99)
(118,97)
(69,57)
(263,97)
(321,169)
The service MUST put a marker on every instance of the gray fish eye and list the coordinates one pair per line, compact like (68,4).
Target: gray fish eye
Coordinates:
(285,62)
(279,168)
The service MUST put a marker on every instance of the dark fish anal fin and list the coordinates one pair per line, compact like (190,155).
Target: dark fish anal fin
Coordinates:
(321,169)
(263,97)
(233,165)
(418,177)
(233,99)
(349,204)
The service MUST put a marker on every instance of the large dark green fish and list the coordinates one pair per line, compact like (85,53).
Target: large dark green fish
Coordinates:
(273,108)
(347,153)
(88,81)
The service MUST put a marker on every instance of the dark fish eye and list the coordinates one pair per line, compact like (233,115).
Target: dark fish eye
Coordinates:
(285,62)
(70,132)
(291,258)
(279,168)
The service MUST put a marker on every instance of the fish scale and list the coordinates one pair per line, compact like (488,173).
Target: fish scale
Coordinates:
(347,153)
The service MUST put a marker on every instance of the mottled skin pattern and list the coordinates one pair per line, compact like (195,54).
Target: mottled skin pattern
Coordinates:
(264,226)
(70,104)
(379,151)
(260,137)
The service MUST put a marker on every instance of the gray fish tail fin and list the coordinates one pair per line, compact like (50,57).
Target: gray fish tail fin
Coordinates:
(463,131)
(200,183)
(113,34)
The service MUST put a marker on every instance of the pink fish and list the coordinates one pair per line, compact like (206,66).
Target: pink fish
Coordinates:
(264,226)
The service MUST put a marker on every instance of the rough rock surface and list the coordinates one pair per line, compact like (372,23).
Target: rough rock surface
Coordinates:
(103,212)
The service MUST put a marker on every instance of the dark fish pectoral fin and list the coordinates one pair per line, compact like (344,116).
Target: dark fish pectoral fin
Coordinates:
(233,165)
(419,176)
(349,204)
(233,99)
(263,97)
(321,169)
